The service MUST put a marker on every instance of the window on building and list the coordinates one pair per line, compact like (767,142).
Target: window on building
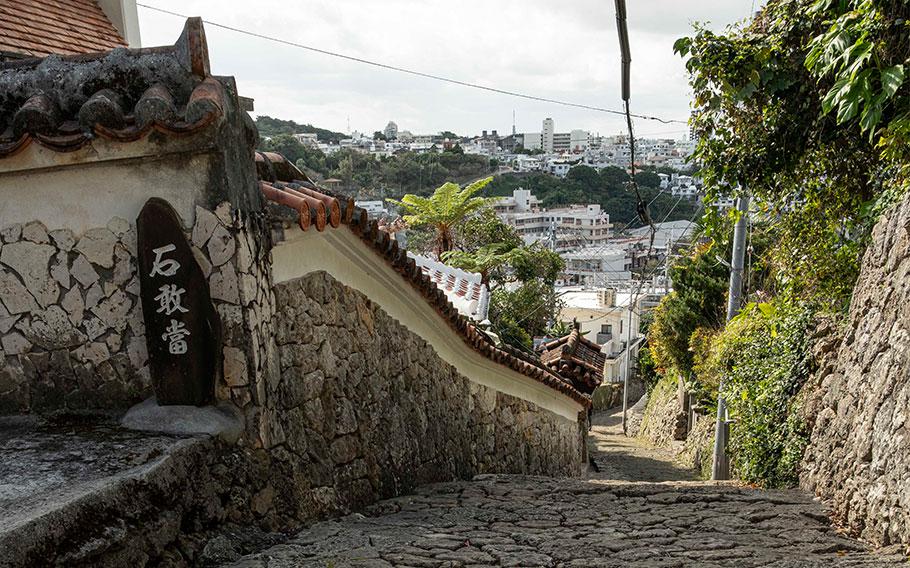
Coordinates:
(606,328)
(620,327)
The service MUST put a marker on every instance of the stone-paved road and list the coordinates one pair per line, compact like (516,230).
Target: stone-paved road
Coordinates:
(601,522)
(618,458)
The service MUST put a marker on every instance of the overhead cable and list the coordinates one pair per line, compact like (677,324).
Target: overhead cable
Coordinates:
(414,72)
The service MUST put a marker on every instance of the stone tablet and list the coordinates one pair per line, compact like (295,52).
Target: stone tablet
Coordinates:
(182,328)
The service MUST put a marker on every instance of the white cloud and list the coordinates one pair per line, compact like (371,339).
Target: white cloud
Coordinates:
(562,50)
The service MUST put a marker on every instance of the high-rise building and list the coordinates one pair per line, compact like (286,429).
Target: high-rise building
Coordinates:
(546,135)
(560,142)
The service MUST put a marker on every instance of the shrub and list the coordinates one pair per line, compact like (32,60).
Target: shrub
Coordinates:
(647,369)
(764,358)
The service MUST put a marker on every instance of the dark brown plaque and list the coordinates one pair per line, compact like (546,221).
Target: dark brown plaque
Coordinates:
(182,328)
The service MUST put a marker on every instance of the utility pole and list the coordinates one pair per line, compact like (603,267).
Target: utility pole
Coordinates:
(625,385)
(667,264)
(551,244)
(720,468)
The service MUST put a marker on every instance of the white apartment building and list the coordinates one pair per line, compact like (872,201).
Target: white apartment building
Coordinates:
(561,142)
(546,135)
(552,142)
(579,141)
(604,314)
(595,265)
(559,168)
(522,163)
(688,191)
(532,141)
(575,226)
(307,139)
(521,200)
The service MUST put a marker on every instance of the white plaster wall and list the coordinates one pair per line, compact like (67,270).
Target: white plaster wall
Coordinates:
(86,188)
(86,197)
(347,259)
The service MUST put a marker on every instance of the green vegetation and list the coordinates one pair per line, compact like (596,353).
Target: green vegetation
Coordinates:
(808,108)
(459,227)
(697,303)
(405,172)
(764,359)
(269,127)
(608,188)
(443,211)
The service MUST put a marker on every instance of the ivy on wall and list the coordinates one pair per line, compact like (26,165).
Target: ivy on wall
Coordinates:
(806,107)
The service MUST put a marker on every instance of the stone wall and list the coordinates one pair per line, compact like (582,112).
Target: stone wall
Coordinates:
(664,420)
(698,451)
(363,409)
(858,458)
(70,321)
(71,326)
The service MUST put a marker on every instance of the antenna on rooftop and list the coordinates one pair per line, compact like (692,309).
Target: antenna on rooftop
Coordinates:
(349,124)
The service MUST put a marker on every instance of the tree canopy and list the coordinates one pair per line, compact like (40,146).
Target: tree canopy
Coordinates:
(444,210)
(806,108)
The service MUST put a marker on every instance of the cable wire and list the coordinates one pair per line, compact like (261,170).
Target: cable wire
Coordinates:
(413,72)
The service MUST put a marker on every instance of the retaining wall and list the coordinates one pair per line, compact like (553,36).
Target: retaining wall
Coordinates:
(366,409)
(858,458)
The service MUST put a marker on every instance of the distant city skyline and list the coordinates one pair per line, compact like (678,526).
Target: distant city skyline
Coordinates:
(566,52)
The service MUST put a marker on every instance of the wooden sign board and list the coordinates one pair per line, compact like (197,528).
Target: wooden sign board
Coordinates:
(182,328)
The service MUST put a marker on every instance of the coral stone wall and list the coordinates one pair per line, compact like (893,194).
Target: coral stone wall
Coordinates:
(858,457)
(70,321)
(664,420)
(364,409)
(71,326)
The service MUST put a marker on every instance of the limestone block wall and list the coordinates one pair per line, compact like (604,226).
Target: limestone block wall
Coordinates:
(71,326)
(363,409)
(858,458)
(664,420)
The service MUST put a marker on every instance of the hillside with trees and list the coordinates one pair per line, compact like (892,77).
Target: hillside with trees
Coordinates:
(367,175)
(270,127)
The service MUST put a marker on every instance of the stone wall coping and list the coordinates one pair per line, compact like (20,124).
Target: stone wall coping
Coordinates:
(344,256)
(306,204)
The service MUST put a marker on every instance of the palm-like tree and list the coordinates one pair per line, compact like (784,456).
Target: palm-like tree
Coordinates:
(484,260)
(444,210)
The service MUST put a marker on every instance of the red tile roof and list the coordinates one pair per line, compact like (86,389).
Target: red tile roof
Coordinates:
(309,210)
(41,27)
(165,89)
(577,358)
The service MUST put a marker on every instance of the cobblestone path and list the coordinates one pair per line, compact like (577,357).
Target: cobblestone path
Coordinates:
(618,458)
(668,521)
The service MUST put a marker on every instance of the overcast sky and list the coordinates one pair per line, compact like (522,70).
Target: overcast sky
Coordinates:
(562,50)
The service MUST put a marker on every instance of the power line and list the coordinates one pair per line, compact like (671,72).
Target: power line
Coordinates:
(413,72)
